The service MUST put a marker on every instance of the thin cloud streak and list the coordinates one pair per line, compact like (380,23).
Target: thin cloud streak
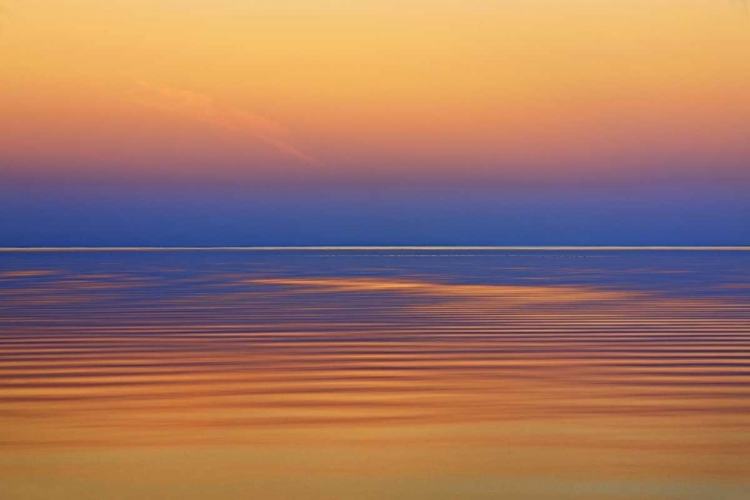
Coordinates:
(202,107)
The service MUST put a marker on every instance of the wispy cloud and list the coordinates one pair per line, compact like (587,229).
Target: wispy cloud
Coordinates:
(204,108)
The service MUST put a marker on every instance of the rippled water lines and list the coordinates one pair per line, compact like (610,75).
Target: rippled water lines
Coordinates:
(273,353)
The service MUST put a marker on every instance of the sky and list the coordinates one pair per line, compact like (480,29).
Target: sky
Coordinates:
(296,122)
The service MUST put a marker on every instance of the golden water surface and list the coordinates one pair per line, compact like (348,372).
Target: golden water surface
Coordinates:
(217,383)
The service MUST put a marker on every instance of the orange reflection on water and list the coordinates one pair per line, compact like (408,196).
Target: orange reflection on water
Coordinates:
(371,387)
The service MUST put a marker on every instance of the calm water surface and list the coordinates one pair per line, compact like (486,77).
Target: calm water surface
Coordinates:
(375,375)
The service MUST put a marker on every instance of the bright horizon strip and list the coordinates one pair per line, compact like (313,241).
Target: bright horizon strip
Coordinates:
(377,248)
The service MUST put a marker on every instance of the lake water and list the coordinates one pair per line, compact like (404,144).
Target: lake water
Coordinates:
(375,374)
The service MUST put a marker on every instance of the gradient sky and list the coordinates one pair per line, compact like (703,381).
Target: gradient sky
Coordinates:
(229,122)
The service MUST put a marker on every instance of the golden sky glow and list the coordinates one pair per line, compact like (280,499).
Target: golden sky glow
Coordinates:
(549,90)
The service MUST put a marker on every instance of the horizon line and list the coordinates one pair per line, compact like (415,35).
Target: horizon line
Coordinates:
(372,248)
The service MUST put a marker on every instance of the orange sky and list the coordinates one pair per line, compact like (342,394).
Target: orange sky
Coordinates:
(551,91)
